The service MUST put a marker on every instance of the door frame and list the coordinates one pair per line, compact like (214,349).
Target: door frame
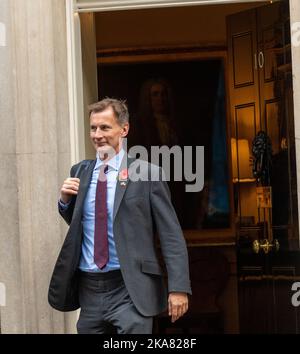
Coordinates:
(74,54)
(117,5)
(75,72)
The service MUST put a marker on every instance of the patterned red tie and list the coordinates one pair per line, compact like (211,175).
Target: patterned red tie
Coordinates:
(100,238)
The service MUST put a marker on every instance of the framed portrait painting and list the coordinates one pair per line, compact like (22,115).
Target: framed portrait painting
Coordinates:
(179,99)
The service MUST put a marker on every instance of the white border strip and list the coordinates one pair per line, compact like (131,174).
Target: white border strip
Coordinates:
(114,5)
(75,84)
(2,35)
(2,295)
(72,90)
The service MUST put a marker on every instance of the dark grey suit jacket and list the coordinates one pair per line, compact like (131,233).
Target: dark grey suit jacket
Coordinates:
(142,209)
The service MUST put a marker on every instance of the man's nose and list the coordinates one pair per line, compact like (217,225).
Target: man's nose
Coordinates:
(98,133)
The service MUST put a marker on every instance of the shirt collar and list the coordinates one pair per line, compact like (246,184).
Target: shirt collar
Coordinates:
(114,163)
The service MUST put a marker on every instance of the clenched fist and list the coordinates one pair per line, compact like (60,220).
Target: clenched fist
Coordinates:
(69,188)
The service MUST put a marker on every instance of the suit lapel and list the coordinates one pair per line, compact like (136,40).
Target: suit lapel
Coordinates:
(121,183)
(85,179)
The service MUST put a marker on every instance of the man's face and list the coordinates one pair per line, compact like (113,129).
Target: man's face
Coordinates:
(106,133)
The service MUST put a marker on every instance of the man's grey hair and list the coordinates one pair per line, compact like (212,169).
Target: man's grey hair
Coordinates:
(119,108)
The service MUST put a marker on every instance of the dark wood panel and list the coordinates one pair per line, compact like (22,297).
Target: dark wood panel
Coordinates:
(246,121)
(265,280)
(242,45)
(272,122)
(265,293)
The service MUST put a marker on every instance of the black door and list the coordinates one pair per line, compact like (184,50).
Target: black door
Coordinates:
(266,210)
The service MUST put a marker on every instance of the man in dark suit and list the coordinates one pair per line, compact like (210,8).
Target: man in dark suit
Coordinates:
(109,264)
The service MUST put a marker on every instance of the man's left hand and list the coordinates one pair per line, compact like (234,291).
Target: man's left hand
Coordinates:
(178,305)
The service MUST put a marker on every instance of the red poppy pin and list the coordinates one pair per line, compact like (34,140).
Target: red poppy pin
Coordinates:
(123,177)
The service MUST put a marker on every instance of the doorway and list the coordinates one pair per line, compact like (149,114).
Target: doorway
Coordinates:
(122,50)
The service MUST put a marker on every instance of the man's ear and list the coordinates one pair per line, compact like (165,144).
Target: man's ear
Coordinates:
(125,130)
